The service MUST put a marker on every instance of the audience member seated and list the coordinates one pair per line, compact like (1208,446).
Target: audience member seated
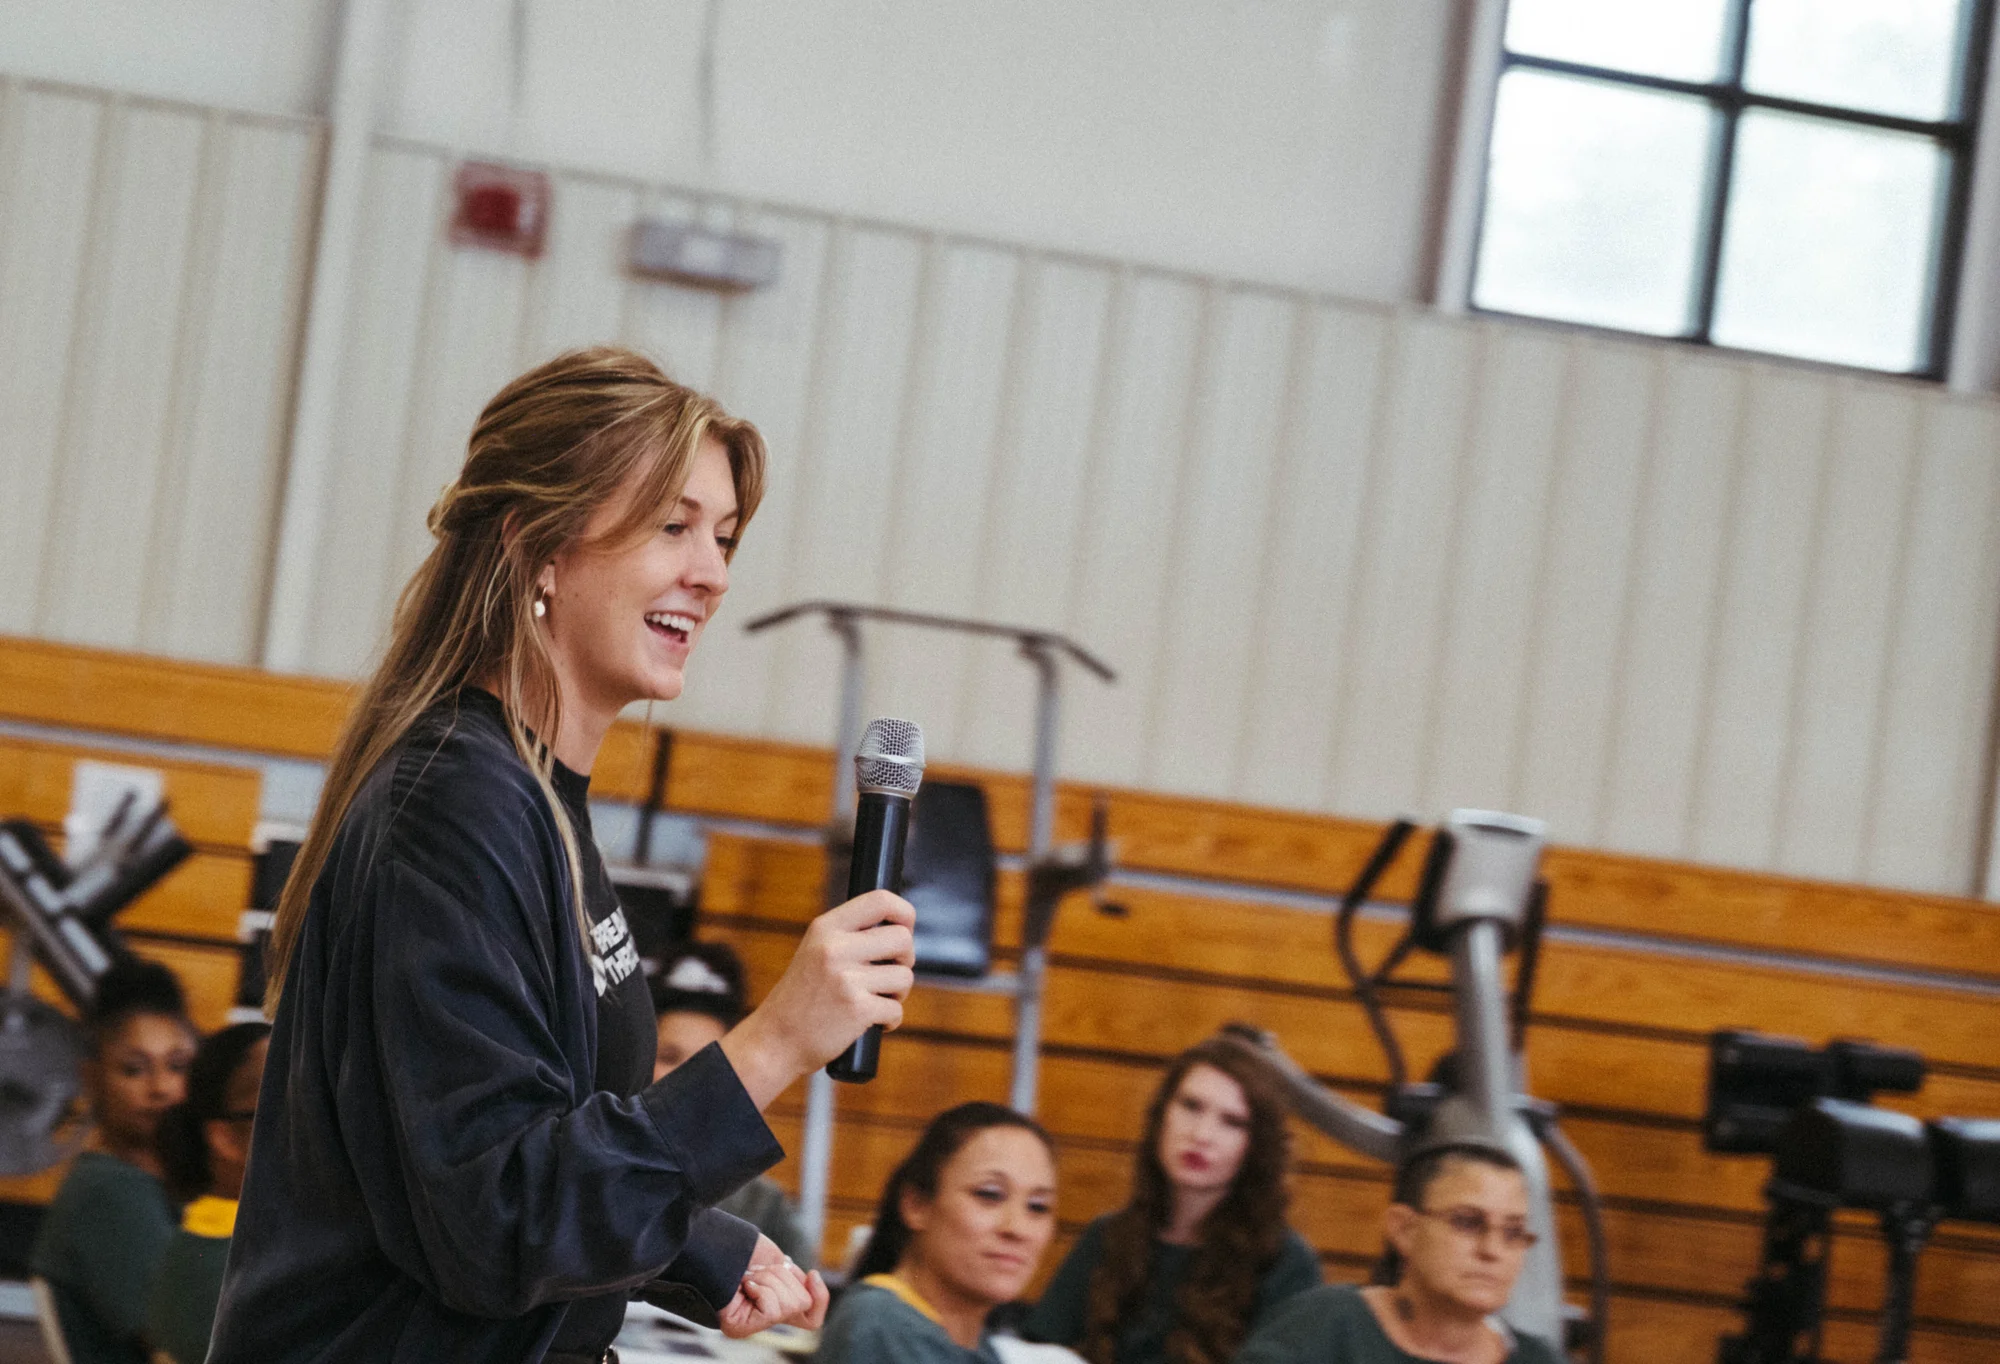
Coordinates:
(204,1143)
(1457,1236)
(109,1223)
(1202,1254)
(697,997)
(960,1231)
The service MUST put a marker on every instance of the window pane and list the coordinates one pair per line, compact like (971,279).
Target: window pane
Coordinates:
(1890,56)
(1593,196)
(1827,251)
(1678,38)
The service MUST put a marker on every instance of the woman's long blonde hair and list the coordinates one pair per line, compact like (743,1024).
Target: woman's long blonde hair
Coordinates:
(551,449)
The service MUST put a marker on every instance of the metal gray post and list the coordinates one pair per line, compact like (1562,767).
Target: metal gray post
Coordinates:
(1041,838)
(816,1141)
(1488,1086)
(1480,1001)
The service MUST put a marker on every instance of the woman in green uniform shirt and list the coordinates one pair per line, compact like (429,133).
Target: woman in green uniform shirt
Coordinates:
(204,1143)
(103,1235)
(1202,1252)
(960,1230)
(1457,1236)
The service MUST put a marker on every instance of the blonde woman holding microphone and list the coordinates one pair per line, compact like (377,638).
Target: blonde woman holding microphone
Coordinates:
(460,1153)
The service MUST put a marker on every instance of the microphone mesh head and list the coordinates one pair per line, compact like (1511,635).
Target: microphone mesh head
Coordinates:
(891,758)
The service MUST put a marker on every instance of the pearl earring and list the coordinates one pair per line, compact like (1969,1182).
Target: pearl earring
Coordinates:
(541,608)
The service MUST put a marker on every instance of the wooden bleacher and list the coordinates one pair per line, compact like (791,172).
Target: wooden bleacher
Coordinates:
(1619,1037)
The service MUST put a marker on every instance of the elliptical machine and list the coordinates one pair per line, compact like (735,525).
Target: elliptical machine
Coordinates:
(1479,898)
(58,915)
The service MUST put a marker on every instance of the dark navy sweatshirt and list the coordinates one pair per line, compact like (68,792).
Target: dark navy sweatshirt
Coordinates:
(457,1155)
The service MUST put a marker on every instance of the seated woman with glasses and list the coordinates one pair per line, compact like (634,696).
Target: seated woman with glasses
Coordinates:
(1457,1229)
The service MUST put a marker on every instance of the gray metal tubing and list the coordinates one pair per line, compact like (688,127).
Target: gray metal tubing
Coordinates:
(1028,1030)
(1485,1108)
(1041,838)
(816,1141)
(1358,1128)
(1479,997)
(815,1157)
(847,737)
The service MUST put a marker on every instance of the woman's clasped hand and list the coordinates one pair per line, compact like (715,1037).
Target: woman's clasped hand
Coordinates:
(774,1292)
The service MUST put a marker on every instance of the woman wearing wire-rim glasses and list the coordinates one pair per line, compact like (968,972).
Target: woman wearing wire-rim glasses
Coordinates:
(1457,1231)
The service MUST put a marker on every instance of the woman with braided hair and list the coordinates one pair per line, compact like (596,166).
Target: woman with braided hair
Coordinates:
(1202,1253)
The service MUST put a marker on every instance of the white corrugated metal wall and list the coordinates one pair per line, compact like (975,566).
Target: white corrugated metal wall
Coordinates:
(151,261)
(1345,559)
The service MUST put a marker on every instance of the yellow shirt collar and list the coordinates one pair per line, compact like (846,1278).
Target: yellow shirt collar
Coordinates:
(908,1294)
(211,1217)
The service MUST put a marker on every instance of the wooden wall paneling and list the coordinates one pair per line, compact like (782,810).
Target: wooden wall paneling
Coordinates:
(208,974)
(212,538)
(1937,711)
(1674,605)
(1681,900)
(470,344)
(123,378)
(1827,791)
(1154,385)
(356,570)
(1229,502)
(1216,952)
(213,805)
(1303,602)
(1472,749)
(1773,532)
(1857,1337)
(56,684)
(1663,1330)
(50,143)
(736,778)
(677,325)
(1583,596)
(966,358)
(1602,890)
(204,897)
(1408,532)
(1028,545)
(763,373)
(845,464)
(578,292)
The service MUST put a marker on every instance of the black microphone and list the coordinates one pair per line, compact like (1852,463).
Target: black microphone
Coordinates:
(888,769)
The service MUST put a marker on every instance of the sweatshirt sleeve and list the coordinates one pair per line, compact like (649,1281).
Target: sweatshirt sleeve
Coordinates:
(508,1193)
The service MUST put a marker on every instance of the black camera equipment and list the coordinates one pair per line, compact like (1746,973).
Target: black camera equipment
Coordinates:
(1809,1109)
(59,915)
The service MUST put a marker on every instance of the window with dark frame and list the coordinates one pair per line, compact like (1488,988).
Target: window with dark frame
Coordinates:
(1783,176)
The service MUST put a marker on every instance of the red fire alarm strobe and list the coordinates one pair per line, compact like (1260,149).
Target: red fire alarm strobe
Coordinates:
(501,208)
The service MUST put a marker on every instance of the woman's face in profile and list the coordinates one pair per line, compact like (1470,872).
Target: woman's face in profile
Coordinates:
(995,1210)
(228,1137)
(141,1073)
(623,617)
(1205,1131)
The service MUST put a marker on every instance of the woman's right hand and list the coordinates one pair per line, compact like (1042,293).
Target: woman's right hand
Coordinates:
(851,972)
